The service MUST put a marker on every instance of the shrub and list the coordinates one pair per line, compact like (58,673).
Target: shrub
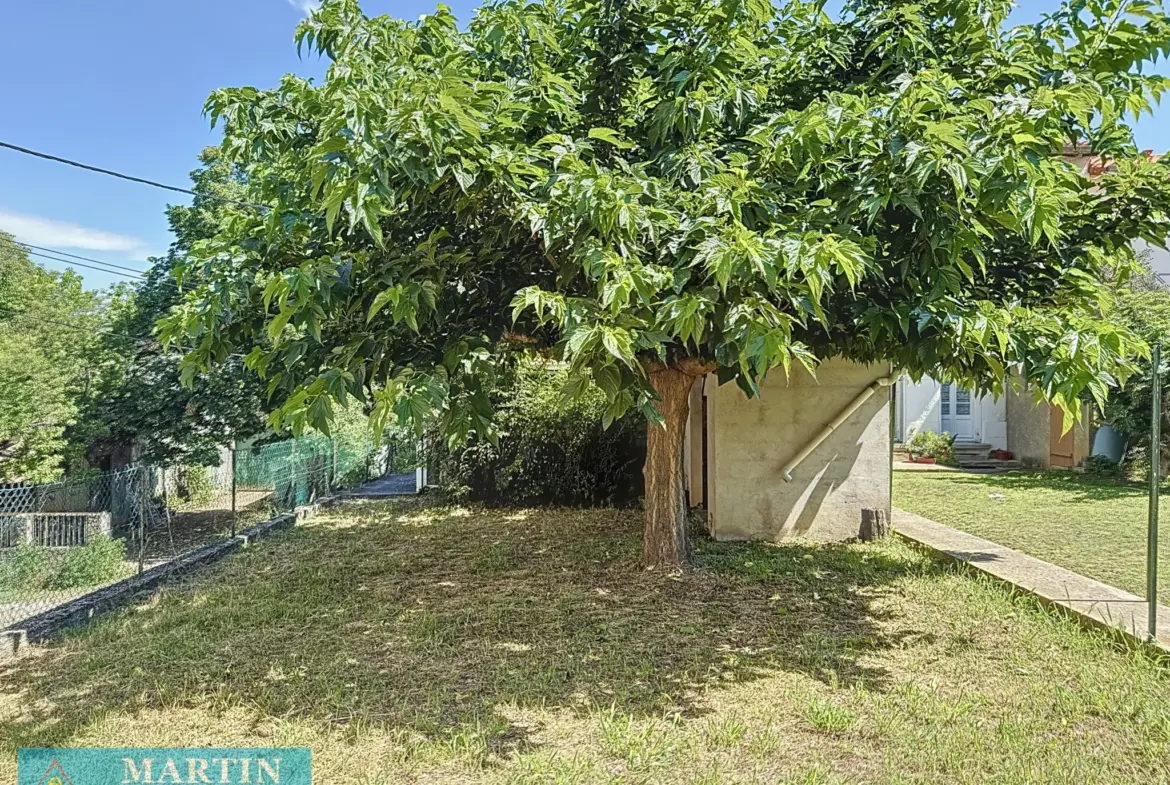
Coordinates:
(27,567)
(551,450)
(200,486)
(929,444)
(98,561)
(1102,466)
(1142,305)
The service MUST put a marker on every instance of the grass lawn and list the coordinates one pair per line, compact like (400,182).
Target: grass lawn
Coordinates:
(1087,525)
(409,644)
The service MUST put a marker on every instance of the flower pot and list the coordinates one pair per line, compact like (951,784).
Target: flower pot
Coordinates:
(925,459)
(1002,455)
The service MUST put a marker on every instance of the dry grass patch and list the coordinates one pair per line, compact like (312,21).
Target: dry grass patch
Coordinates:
(413,644)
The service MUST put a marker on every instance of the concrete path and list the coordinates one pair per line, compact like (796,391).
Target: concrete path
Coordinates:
(383,487)
(907,466)
(1090,600)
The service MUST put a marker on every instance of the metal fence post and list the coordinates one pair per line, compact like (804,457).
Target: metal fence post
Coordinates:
(333,480)
(142,474)
(296,471)
(232,459)
(1155,483)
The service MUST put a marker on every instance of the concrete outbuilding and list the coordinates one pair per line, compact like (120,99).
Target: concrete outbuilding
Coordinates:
(738,451)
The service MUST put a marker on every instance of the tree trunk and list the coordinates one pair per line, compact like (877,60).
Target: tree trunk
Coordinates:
(875,525)
(665,544)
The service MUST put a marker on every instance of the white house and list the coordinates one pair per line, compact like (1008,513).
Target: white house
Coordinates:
(930,406)
(1031,430)
(1015,422)
(1158,259)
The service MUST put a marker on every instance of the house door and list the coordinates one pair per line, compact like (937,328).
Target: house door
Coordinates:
(1062,449)
(955,408)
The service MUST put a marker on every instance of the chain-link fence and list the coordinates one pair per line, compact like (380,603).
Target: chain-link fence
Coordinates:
(63,540)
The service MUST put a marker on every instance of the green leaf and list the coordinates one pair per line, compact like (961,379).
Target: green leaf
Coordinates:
(387,296)
(611,136)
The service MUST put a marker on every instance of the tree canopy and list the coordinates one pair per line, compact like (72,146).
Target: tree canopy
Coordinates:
(651,189)
(142,400)
(50,360)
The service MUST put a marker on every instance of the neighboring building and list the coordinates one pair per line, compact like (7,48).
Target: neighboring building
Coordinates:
(737,450)
(1032,432)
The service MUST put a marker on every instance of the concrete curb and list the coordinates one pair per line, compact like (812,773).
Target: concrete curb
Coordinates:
(1089,602)
(80,610)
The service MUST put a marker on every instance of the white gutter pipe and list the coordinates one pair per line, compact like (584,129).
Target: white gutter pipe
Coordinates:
(845,414)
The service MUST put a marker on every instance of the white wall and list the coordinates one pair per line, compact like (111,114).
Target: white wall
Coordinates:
(993,422)
(1159,258)
(918,407)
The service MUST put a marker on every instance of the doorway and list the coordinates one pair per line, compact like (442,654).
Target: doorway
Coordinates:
(955,408)
(1062,446)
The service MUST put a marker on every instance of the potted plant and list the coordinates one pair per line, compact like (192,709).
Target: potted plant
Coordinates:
(931,447)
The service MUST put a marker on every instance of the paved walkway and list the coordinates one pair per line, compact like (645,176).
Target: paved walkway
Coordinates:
(390,485)
(1090,600)
(907,466)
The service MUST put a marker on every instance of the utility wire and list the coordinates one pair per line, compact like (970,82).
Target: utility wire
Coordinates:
(72,263)
(131,178)
(82,258)
(90,330)
(77,327)
(139,274)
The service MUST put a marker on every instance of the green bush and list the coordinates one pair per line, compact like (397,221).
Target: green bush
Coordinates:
(929,444)
(27,567)
(98,561)
(551,450)
(1102,466)
(200,486)
(1143,306)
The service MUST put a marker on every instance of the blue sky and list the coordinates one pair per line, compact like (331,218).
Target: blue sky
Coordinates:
(121,84)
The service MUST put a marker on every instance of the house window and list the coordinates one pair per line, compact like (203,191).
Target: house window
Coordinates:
(962,402)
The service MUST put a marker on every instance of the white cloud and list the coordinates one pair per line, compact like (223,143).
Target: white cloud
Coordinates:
(35,230)
(306,7)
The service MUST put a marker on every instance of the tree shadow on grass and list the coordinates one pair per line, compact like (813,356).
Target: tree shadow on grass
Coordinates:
(429,620)
(1082,487)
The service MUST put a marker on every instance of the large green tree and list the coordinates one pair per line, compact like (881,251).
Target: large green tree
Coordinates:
(51,360)
(142,400)
(655,189)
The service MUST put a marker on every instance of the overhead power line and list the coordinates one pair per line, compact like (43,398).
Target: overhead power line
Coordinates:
(131,178)
(90,330)
(73,263)
(82,258)
(130,271)
(77,327)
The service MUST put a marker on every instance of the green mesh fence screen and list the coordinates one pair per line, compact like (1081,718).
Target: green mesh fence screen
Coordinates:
(61,540)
